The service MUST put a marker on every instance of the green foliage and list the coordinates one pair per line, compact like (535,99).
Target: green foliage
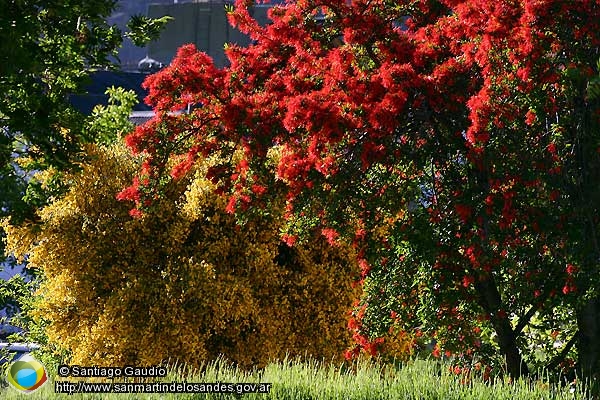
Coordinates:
(14,289)
(107,124)
(47,51)
(593,89)
(143,30)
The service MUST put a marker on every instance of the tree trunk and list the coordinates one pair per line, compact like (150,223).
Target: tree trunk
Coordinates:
(588,322)
(491,302)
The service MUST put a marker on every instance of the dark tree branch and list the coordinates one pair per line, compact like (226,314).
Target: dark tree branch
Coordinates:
(524,320)
(563,353)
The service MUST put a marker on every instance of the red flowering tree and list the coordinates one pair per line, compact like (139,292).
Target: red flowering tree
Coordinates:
(455,143)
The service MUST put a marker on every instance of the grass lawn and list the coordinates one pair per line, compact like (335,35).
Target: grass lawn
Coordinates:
(297,380)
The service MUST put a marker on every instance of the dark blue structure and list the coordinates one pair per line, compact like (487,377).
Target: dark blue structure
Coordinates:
(95,92)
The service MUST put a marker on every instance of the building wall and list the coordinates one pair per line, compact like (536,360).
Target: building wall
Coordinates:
(201,23)
(129,54)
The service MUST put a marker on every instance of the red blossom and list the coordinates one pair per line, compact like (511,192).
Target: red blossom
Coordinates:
(530,117)
(569,287)
(436,352)
(331,235)
(135,213)
(231,204)
(288,239)
(181,169)
(259,189)
(364,266)
(131,193)
(351,354)
(464,212)
(468,280)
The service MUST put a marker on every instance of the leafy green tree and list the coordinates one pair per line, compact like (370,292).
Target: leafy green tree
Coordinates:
(143,29)
(47,49)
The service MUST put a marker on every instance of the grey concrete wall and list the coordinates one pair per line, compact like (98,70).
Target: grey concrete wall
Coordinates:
(130,54)
(203,24)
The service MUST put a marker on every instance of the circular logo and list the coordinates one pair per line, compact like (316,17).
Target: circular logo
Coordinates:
(26,374)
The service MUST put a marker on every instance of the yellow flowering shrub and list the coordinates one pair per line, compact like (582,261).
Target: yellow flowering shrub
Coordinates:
(184,283)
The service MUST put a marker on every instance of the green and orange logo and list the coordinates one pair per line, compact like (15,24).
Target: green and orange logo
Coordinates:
(26,374)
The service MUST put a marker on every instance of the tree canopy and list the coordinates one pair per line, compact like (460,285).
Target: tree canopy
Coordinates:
(454,143)
(48,49)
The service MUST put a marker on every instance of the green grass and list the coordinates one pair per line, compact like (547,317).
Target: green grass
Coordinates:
(304,381)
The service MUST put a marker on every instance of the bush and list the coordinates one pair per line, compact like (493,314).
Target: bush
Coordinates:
(183,283)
